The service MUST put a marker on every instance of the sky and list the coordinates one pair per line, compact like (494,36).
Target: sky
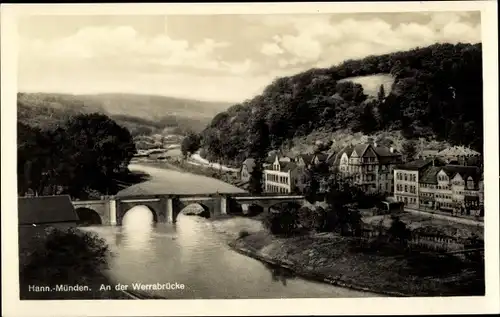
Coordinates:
(226,58)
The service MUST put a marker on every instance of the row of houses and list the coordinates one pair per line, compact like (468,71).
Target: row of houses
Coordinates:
(368,165)
(428,183)
(457,189)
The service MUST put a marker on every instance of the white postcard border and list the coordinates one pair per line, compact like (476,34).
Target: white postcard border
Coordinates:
(12,306)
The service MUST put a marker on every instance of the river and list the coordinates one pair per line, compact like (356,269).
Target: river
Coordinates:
(191,253)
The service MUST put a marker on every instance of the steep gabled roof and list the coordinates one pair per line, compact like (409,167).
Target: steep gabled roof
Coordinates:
(347,150)
(321,157)
(45,209)
(307,158)
(464,171)
(360,149)
(287,166)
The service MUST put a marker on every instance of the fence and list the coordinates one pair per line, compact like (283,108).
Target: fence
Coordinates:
(429,242)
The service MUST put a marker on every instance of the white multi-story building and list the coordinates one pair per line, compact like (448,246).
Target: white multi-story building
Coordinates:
(280,176)
(406,182)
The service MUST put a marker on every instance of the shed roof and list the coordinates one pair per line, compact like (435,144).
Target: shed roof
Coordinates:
(45,209)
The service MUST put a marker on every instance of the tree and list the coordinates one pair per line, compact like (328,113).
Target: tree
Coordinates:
(190,144)
(284,221)
(367,123)
(399,231)
(339,215)
(258,147)
(67,257)
(311,185)
(381,93)
(409,149)
(255,183)
(87,152)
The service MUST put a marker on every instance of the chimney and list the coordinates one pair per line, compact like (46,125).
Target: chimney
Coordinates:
(391,149)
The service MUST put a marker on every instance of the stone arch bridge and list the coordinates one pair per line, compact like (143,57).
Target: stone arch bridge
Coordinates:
(165,208)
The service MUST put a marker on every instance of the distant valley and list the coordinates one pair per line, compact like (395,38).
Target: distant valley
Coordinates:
(141,114)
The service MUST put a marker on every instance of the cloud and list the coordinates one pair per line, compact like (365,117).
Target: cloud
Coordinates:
(227,63)
(111,44)
(320,42)
(271,49)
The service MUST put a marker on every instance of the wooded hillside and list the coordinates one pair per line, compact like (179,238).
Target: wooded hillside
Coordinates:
(436,94)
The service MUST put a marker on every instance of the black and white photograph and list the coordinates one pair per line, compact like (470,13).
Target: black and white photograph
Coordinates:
(327,155)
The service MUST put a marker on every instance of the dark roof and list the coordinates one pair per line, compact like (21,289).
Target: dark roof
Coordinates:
(270,159)
(464,171)
(330,159)
(321,157)
(471,198)
(45,209)
(287,166)
(429,175)
(347,149)
(414,165)
(307,158)
(360,149)
(383,151)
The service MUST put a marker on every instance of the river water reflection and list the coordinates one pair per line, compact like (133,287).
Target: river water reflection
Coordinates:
(192,253)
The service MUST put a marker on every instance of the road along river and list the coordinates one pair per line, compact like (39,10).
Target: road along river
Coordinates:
(189,260)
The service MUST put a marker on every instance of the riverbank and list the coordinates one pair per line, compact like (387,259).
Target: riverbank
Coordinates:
(346,262)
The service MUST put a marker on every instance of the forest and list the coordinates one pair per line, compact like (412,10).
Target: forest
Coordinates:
(436,94)
(82,156)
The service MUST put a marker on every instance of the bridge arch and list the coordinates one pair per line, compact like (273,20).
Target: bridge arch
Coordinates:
(151,209)
(88,216)
(123,207)
(252,208)
(195,209)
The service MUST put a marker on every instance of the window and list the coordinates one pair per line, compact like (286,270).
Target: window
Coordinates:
(406,188)
(406,177)
(470,183)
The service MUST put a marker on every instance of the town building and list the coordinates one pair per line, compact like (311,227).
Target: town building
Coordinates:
(280,176)
(427,187)
(406,182)
(36,214)
(369,165)
(458,155)
(456,189)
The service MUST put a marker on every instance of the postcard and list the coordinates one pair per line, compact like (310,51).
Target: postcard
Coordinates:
(223,159)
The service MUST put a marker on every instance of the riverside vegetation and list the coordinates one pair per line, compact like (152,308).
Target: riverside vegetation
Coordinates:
(67,258)
(298,240)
